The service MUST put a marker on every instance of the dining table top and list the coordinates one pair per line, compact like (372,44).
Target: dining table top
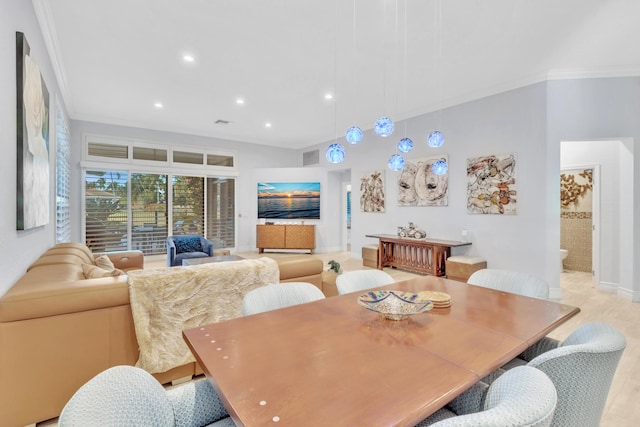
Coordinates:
(333,362)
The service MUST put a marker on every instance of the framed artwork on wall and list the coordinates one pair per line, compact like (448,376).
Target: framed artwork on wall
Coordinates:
(491,184)
(372,191)
(419,185)
(32,130)
(289,200)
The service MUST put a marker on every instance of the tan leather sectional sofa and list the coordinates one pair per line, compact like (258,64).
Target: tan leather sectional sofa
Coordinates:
(58,329)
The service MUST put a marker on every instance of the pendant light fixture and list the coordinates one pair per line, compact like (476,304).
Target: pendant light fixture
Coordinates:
(396,162)
(440,167)
(354,135)
(405,145)
(335,153)
(436,138)
(384,126)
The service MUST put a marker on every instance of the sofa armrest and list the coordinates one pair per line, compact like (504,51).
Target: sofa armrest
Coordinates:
(129,260)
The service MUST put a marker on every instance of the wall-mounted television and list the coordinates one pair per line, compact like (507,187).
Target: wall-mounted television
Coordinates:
(289,200)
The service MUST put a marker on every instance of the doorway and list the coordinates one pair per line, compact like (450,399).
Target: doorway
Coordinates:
(612,243)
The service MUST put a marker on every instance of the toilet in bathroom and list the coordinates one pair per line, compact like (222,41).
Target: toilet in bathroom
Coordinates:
(563,255)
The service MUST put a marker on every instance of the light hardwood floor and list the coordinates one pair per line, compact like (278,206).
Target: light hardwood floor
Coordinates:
(621,409)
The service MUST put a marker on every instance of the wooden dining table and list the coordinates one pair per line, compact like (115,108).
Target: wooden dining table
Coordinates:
(334,363)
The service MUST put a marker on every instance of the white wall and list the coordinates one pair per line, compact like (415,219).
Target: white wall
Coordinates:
(600,109)
(512,122)
(18,249)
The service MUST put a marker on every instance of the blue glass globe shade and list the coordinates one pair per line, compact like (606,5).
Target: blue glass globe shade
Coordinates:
(396,162)
(354,135)
(435,139)
(405,145)
(335,153)
(384,126)
(440,167)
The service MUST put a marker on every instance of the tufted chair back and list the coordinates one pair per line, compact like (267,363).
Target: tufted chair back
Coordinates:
(510,281)
(279,295)
(358,280)
(523,396)
(582,369)
(128,396)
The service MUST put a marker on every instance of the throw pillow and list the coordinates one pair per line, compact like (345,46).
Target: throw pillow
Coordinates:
(94,272)
(104,262)
(187,244)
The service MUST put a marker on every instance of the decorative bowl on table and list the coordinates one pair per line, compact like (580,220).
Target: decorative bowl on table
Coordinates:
(395,305)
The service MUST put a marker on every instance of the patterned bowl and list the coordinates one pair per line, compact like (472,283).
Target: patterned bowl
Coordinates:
(395,305)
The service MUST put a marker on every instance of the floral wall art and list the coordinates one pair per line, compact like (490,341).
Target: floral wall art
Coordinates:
(32,126)
(418,185)
(372,191)
(491,184)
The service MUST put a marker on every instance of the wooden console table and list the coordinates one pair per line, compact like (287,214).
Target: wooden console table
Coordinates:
(419,255)
(278,236)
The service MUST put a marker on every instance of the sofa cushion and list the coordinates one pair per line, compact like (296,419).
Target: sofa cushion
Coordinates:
(70,251)
(94,272)
(104,262)
(188,244)
(55,260)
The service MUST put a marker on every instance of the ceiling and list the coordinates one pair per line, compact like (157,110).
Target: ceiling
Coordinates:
(401,58)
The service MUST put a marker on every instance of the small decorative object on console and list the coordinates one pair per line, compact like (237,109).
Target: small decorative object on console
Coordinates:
(411,232)
(395,305)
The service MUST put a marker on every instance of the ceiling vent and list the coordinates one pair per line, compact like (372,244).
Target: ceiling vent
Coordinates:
(311,158)
(222,122)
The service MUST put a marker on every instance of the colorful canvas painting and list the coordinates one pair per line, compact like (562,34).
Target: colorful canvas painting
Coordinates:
(289,200)
(32,127)
(372,191)
(419,185)
(491,184)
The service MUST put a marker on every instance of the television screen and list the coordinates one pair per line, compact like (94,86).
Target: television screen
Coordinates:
(289,200)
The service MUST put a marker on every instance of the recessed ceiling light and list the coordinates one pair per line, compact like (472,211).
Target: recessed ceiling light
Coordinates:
(267,124)
(188,58)
(240,101)
(158,105)
(328,96)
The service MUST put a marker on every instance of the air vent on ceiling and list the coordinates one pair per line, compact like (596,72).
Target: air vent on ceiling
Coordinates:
(222,122)
(311,158)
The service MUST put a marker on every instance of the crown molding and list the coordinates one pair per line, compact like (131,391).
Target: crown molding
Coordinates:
(48,29)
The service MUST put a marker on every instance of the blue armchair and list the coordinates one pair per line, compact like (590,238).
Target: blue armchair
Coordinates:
(184,247)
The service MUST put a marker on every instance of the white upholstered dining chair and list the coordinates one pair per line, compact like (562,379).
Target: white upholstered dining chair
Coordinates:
(279,295)
(524,396)
(581,367)
(126,396)
(515,282)
(358,280)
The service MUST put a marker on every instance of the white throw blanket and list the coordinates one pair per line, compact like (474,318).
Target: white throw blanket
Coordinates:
(166,301)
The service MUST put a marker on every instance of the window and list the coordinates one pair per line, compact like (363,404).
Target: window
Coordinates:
(146,195)
(187,210)
(63,176)
(149,214)
(106,210)
(221,212)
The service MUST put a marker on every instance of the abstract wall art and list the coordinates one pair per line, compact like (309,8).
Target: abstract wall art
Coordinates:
(419,185)
(32,127)
(372,191)
(491,184)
